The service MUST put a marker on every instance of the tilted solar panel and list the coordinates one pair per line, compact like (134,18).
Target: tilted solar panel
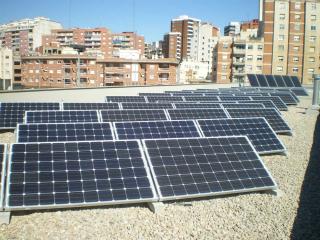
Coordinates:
(90,106)
(271,81)
(262,80)
(266,103)
(165,98)
(201,98)
(287,81)
(242,105)
(60,132)
(197,105)
(196,113)
(253,80)
(279,80)
(234,98)
(73,174)
(287,98)
(273,117)
(133,115)
(125,99)
(275,99)
(3,163)
(64,116)
(299,91)
(295,80)
(156,129)
(199,167)
(162,105)
(259,132)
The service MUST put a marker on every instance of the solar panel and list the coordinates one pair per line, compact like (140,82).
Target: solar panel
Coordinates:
(13,113)
(266,103)
(253,80)
(156,129)
(90,106)
(2,172)
(73,174)
(234,98)
(165,98)
(287,98)
(197,105)
(275,99)
(60,132)
(262,80)
(133,115)
(295,80)
(199,167)
(196,113)
(287,81)
(201,98)
(299,91)
(125,99)
(242,105)
(279,80)
(259,132)
(273,117)
(154,94)
(64,116)
(188,94)
(271,81)
(146,105)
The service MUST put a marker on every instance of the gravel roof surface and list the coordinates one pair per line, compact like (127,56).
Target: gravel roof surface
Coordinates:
(244,216)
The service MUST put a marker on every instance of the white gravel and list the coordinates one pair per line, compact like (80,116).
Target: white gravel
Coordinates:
(246,216)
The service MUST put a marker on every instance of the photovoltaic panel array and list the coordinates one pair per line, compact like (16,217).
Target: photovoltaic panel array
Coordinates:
(132,105)
(133,115)
(44,175)
(164,99)
(259,132)
(13,113)
(234,98)
(61,116)
(156,129)
(273,117)
(266,103)
(90,106)
(287,98)
(196,113)
(60,132)
(197,105)
(261,80)
(154,94)
(242,105)
(125,99)
(198,167)
(201,98)
(276,100)
(299,91)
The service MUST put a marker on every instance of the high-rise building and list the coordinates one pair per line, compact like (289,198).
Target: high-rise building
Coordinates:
(127,41)
(233,29)
(153,50)
(6,68)
(171,46)
(25,35)
(291,31)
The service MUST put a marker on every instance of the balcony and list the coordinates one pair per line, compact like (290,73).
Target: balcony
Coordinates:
(239,51)
(238,62)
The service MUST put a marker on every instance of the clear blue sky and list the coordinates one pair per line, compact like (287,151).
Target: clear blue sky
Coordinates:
(147,17)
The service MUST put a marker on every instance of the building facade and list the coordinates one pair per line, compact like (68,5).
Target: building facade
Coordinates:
(233,29)
(172,45)
(291,31)
(6,68)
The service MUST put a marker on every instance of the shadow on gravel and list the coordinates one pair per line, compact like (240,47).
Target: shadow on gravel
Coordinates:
(307,222)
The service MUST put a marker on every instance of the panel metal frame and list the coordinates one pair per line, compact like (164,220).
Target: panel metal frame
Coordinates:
(212,194)
(91,204)
(3,175)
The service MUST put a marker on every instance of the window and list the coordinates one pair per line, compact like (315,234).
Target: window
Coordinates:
(295,69)
(279,69)
(280,58)
(225,45)
(295,59)
(224,67)
(281,37)
(313,28)
(7,57)
(297,17)
(312,38)
(312,49)
(51,71)
(224,57)
(281,47)
(297,6)
(313,18)
(58,71)
(250,47)
(259,68)
(249,57)
(297,26)
(37,71)
(259,58)
(282,16)
(282,6)
(312,59)
(296,38)
(296,48)
(313,6)
(311,70)
(249,67)
(223,77)
(281,26)
(260,47)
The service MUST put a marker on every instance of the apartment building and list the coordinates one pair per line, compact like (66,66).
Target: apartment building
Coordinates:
(291,31)
(25,35)
(73,70)
(6,68)
(191,71)
(153,50)
(232,29)
(127,41)
(172,45)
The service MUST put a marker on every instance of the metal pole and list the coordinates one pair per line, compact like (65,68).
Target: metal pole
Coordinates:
(78,71)
(316,88)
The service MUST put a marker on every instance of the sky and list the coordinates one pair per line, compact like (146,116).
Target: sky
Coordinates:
(148,18)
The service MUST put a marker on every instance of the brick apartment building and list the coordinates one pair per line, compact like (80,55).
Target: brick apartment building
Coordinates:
(291,31)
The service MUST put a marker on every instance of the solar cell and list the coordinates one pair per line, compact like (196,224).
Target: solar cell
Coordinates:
(64,116)
(259,132)
(125,99)
(165,98)
(156,129)
(242,105)
(279,80)
(3,162)
(13,113)
(253,80)
(287,98)
(273,117)
(162,105)
(90,106)
(266,103)
(197,105)
(262,80)
(287,81)
(198,167)
(69,174)
(201,98)
(60,132)
(133,115)
(199,113)
(275,99)
(234,98)
(295,80)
